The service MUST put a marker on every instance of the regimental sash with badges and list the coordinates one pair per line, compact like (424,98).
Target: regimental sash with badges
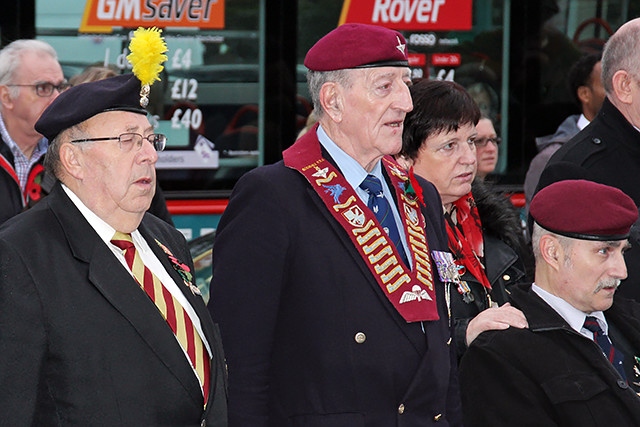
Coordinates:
(410,291)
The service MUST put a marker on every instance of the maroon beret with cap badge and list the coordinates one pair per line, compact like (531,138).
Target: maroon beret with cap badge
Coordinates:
(584,210)
(358,46)
(79,103)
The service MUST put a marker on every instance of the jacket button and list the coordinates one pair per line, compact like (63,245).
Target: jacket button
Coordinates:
(506,277)
(596,141)
(360,337)
(622,384)
(437,418)
(401,409)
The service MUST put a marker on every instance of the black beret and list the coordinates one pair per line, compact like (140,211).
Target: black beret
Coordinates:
(79,103)
(358,46)
(584,210)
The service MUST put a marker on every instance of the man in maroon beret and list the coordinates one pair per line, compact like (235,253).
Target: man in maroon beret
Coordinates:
(577,364)
(331,306)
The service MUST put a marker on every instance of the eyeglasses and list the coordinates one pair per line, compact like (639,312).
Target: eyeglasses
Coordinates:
(482,142)
(45,89)
(128,140)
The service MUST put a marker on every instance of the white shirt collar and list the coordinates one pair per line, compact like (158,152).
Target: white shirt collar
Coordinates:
(582,122)
(353,172)
(574,317)
(104,230)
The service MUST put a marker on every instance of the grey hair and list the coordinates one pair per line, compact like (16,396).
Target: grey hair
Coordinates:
(11,58)
(52,158)
(315,81)
(538,231)
(621,53)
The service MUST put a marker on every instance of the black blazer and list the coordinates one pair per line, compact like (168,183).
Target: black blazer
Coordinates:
(309,336)
(80,342)
(548,374)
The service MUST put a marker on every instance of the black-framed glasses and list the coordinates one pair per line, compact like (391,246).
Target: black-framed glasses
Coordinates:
(45,89)
(482,142)
(131,139)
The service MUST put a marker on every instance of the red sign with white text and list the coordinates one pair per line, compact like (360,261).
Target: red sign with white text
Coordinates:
(446,59)
(417,59)
(100,16)
(411,15)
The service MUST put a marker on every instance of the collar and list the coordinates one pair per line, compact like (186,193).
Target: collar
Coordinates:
(40,149)
(574,317)
(626,133)
(582,122)
(104,230)
(352,171)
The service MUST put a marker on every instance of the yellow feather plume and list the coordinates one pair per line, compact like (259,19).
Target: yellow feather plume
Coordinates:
(147,54)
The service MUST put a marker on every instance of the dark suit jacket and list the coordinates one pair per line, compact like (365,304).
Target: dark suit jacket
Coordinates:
(81,344)
(295,301)
(609,150)
(548,374)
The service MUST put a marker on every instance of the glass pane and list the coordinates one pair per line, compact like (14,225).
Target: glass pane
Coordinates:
(208,100)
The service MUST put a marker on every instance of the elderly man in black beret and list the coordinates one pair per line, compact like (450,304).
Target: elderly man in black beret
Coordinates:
(331,306)
(577,364)
(100,322)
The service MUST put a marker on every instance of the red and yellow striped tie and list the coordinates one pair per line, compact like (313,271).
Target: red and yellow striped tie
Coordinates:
(173,312)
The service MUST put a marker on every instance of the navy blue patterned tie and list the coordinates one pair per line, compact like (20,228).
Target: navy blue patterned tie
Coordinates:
(382,210)
(615,357)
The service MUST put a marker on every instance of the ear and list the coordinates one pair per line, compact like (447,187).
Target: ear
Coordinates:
(584,94)
(71,160)
(5,97)
(621,83)
(551,251)
(331,100)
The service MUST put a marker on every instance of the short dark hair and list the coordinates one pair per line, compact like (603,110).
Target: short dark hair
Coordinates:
(580,74)
(438,106)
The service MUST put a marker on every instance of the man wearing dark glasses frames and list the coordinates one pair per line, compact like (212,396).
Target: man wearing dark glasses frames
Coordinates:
(30,79)
(117,314)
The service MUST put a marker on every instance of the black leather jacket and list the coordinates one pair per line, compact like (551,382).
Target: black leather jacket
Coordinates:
(507,258)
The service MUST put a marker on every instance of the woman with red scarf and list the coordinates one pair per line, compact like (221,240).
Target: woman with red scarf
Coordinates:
(485,235)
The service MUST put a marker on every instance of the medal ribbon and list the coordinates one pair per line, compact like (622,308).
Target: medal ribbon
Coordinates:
(410,292)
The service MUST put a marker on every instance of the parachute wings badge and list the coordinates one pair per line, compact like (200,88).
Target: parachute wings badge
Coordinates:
(416,293)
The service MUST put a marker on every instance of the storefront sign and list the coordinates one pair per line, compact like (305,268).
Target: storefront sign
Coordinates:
(412,15)
(446,59)
(100,16)
(417,59)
